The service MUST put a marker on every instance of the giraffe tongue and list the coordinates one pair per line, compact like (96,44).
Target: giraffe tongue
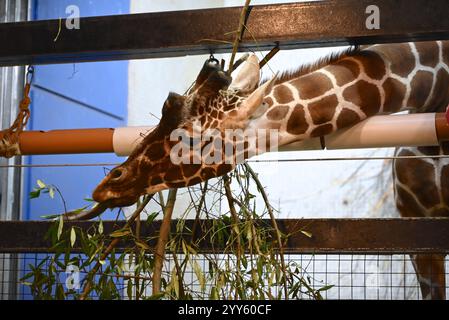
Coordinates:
(87,215)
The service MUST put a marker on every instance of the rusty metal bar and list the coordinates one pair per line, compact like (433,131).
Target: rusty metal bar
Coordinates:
(177,33)
(385,236)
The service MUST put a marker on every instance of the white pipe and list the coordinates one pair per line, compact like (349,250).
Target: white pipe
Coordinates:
(381,131)
(377,132)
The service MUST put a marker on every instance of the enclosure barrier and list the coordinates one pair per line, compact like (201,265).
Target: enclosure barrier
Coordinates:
(421,235)
(178,33)
(346,254)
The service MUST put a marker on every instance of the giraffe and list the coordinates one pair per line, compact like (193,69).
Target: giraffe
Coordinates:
(313,101)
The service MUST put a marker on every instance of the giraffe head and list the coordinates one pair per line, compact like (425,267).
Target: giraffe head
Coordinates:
(215,103)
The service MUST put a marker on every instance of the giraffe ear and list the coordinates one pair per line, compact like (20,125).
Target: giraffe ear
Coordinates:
(210,66)
(248,77)
(253,106)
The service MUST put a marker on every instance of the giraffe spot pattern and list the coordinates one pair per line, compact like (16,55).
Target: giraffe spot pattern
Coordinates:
(440,98)
(297,124)
(189,170)
(445,47)
(415,174)
(346,118)
(223,169)
(394,94)
(282,94)
(429,53)
(268,101)
(424,81)
(173,174)
(156,151)
(406,204)
(156,180)
(312,85)
(401,58)
(365,95)
(344,71)
(323,111)
(445,185)
(321,130)
(277,113)
(372,63)
(194,181)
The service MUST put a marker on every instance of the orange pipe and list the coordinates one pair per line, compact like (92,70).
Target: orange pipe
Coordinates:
(66,141)
(442,127)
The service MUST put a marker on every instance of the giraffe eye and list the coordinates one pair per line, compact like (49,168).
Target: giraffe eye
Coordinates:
(116,174)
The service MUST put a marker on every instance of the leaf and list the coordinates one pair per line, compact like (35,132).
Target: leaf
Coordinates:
(100,227)
(35,193)
(72,236)
(51,192)
(41,184)
(156,296)
(214,294)
(199,274)
(151,217)
(306,233)
(129,289)
(119,233)
(51,216)
(142,245)
(325,288)
(60,226)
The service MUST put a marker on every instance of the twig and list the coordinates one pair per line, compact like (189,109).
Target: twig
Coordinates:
(236,222)
(162,241)
(238,36)
(273,221)
(269,55)
(138,226)
(111,246)
(198,209)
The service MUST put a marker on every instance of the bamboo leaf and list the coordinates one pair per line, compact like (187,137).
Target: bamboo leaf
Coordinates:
(100,227)
(214,294)
(60,226)
(142,244)
(129,289)
(41,184)
(72,236)
(51,192)
(306,233)
(157,296)
(120,233)
(199,274)
(35,193)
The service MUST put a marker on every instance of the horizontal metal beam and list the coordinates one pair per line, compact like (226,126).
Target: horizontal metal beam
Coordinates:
(168,34)
(380,236)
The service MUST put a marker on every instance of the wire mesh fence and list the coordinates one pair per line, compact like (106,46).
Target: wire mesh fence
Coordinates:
(344,276)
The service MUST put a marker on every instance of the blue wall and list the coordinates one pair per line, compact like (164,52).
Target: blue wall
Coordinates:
(67,96)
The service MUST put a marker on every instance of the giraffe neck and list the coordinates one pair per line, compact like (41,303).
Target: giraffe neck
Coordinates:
(378,79)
